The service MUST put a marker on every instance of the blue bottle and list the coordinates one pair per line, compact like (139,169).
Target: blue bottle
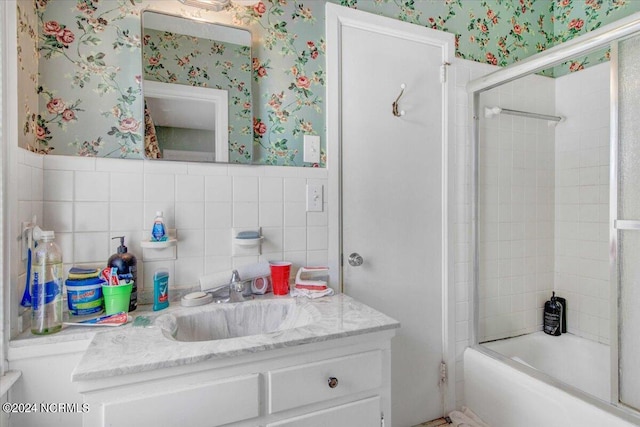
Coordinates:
(158,232)
(160,290)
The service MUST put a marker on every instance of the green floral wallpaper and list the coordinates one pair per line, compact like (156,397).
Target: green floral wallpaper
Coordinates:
(178,58)
(89,86)
(90,68)
(573,18)
(27,54)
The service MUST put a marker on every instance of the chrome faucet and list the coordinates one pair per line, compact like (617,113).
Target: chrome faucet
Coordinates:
(236,288)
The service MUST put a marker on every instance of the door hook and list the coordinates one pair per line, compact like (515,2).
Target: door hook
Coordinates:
(395,103)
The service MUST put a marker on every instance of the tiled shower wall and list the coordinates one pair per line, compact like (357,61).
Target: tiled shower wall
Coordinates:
(516,195)
(87,201)
(582,201)
(544,206)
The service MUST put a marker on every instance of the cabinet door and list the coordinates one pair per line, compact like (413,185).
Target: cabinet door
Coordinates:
(206,404)
(361,413)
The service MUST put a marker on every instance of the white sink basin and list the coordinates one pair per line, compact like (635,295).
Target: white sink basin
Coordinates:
(223,321)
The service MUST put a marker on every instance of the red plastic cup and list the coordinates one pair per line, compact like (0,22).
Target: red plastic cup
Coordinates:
(280,271)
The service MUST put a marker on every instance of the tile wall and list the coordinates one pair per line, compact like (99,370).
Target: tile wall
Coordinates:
(88,201)
(582,201)
(516,213)
(543,206)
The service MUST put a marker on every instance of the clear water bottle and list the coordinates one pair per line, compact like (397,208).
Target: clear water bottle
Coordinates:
(46,286)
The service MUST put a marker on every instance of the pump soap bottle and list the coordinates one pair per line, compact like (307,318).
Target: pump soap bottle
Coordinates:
(126,264)
(552,319)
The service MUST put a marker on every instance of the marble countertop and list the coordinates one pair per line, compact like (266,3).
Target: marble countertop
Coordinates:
(134,349)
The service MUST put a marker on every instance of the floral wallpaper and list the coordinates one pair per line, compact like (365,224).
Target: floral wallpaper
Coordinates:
(89,86)
(27,54)
(572,18)
(90,67)
(178,58)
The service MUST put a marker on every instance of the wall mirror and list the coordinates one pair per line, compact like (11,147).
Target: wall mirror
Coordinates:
(197,90)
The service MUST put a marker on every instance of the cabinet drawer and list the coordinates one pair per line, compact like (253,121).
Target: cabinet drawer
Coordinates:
(304,384)
(208,404)
(362,413)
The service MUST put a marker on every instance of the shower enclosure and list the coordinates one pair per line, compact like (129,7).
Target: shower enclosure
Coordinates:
(556,205)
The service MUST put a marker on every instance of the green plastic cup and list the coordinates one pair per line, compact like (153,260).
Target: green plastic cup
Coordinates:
(116,298)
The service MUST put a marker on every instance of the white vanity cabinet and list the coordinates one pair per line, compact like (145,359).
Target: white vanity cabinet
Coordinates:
(338,382)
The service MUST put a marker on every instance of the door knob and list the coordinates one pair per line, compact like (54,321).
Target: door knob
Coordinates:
(333,382)
(355,260)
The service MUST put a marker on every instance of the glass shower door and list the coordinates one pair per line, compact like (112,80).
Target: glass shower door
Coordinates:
(628,222)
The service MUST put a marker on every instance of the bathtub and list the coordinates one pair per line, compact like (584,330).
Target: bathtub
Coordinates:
(566,358)
(505,393)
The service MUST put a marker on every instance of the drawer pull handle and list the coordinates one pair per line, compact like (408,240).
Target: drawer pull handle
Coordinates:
(333,382)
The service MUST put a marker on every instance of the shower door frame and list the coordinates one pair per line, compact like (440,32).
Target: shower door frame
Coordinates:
(606,36)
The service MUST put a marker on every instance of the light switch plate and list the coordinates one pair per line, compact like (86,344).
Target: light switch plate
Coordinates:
(311,153)
(314,198)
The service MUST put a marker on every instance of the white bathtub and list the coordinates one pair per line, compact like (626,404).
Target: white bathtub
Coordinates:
(579,362)
(504,396)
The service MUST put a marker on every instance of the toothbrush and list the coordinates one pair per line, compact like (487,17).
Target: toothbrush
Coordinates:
(116,319)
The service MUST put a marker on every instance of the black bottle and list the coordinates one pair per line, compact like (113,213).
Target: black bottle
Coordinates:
(552,316)
(126,264)
(563,303)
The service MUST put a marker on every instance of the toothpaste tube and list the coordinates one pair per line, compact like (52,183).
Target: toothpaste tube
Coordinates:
(115,319)
(109,319)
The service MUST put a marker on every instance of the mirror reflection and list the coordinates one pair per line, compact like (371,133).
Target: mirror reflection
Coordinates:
(197,89)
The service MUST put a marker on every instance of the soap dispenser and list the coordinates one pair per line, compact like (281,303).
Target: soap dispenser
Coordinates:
(126,264)
(552,318)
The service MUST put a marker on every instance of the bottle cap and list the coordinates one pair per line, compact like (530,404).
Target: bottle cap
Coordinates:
(158,213)
(47,234)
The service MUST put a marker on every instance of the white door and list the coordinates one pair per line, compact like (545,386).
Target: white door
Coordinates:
(392,202)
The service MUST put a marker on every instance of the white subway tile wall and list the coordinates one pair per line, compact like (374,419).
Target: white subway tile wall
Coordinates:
(88,202)
(582,201)
(516,215)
